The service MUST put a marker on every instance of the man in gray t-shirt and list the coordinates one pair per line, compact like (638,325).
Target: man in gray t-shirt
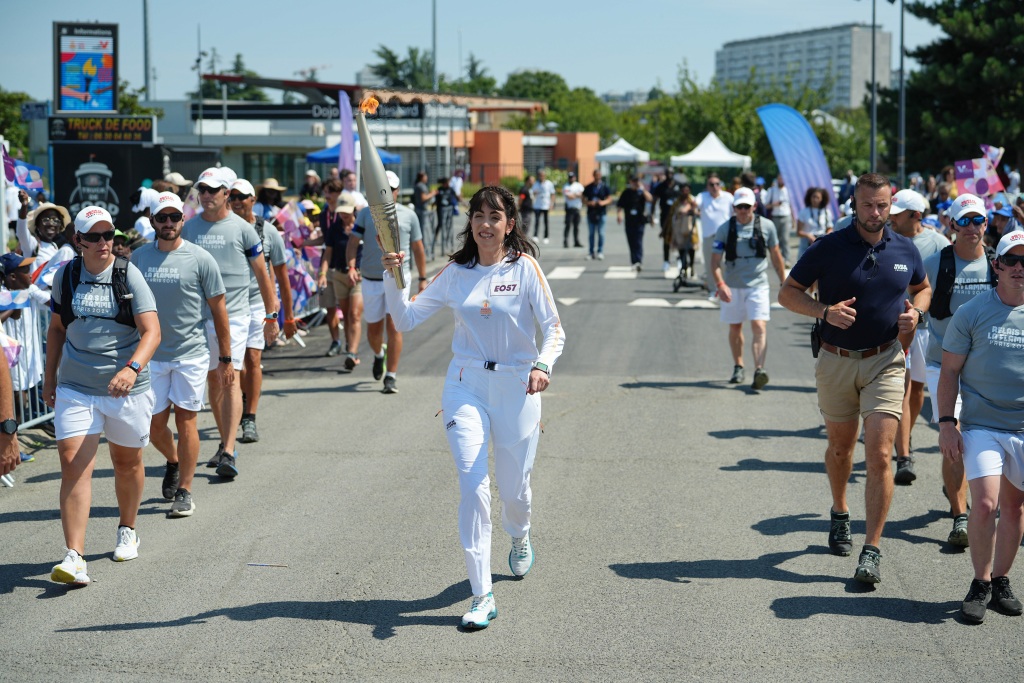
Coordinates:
(743,288)
(983,350)
(371,273)
(185,280)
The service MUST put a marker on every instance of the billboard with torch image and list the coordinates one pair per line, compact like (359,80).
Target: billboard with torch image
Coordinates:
(378,190)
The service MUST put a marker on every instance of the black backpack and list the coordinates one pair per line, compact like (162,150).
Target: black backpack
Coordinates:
(730,242)
(119,282)
(263,240)
(942,293)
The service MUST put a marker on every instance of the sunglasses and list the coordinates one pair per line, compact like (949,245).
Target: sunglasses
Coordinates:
(167,217)
(206,189)
(238,197)
(95,237)
(1011,260)
(714,184)
(743,207)
(967,220)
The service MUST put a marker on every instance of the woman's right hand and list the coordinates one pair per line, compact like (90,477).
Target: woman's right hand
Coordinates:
(49,392)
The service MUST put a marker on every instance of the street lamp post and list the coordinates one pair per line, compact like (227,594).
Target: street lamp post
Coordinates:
(901,148)
(874,93)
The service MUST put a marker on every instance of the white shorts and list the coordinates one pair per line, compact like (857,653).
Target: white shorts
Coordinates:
(932,378)
(181,382)
(375,306)
(988,453)
(915,356)
(239,335)
(124,421)
(748,303)
(256,339)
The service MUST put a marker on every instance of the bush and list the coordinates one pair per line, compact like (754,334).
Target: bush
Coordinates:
(512,182)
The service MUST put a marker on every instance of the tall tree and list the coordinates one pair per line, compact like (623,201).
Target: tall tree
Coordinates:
(415,71)
(535,85)
(129,101)
(477,81)
(967,91)
(11,125)
(212,90)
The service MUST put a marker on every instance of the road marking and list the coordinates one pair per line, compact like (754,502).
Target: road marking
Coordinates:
(567,300)
(620,273)
(566,273)
(695,303)
(651,303)
(670,274)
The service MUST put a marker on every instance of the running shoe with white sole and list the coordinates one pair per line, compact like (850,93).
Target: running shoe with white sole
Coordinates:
(389,386)
(958,536)
(71,570)
(480,613)
(215,460)
(127,547)
(182,505)
(249,432)
(520,558)
(228,467)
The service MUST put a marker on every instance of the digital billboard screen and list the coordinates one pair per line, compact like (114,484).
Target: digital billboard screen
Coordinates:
(85,67)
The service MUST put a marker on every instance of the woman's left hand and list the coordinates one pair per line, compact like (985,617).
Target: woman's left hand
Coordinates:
(539,381)
(122,383)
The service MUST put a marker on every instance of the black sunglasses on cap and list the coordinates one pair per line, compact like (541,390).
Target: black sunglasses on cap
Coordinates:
(206,189)
(95,237)
(167,217)
(238,197)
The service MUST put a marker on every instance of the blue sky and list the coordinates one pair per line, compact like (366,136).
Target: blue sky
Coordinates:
(603,45)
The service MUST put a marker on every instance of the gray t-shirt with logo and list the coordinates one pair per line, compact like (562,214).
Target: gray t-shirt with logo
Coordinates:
(182,280)
(991,335)
(232,242)
(97,346)
(971,279)
(273,252)
(747,270)
(409,232)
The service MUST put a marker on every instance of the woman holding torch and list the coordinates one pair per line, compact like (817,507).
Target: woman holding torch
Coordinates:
(499,296)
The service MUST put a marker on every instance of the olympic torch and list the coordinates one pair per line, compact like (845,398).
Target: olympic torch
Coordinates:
(378,190)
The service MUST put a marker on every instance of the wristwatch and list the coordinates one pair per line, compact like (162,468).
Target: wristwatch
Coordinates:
(224,359)
(920,315)
(270,316)
(543,367)
(134,365)
(949,418)
(9,426)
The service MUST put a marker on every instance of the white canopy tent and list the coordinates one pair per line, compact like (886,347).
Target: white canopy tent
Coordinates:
(621,152)
(712,152)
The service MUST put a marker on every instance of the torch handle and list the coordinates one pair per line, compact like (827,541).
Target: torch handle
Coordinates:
(385,219)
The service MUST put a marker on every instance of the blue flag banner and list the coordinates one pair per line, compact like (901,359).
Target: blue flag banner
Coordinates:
(797,153)
(28,177)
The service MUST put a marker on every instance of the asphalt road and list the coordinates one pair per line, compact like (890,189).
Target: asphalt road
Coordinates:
(680,529)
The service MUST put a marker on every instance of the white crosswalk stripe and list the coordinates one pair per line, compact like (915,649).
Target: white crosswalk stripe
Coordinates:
(566,273)
(567,300)
(620,273)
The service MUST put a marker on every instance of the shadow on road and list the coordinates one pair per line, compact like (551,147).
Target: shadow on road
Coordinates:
(895,529)
(763,567)
(156,471)
(893,609)
(101,512)
(704,384)
(816,432)
(758,465)
(385,616)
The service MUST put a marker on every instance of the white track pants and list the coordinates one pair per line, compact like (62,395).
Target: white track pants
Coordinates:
(481,406)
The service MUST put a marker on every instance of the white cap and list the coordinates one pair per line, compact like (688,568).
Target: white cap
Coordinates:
(176,178)
(213,177)
(908,200)
(965,204)
(243,186)
(229,174)
(1014,238)
(393,180)
(146,197)
(744,195)
(164,200)
(90,216)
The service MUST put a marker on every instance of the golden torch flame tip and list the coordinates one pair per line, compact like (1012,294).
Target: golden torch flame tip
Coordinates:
(369,105)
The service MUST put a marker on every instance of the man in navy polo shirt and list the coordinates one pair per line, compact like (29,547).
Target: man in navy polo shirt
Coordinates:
(863,277)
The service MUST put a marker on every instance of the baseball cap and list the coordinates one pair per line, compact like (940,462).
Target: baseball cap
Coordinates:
(244,187)
(908,200)
(932,221)
(164,200)
(346,203)
(228,174)
(11,261)
(212,177)
(393,180)
(744,195)
(176,178)
(308,206)
(1004,211)
(571,174)
(965,204)
(1014,238)
(90,216)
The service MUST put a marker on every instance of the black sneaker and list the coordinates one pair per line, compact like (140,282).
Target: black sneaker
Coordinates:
(760,379)
(1003,598)
(974,605)
(227,468)
(737,375)
(171,478)
(958,536)
(249,433)
(378,367)
(840,542)
(868,566)
(334,349)
(905,470)
(215,460)
(389,386)
(182,505)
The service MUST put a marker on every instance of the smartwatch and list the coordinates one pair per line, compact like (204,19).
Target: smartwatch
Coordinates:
(133,365)
(270,317)
(949,418)
(9,426)
(543,367)
(224,359)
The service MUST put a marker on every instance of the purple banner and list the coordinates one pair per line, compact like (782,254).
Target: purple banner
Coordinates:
(347,149)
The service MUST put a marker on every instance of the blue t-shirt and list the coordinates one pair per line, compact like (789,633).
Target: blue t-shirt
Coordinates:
(846,266)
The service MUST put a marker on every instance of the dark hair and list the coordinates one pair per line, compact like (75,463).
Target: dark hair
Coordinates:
(333,184)
(345,173)
(710,176)
(875,181)
(516,241)
(807,197)
(748,179)
(420,176)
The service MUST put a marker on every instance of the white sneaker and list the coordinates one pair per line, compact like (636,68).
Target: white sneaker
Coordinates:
(665,266)
(480,612)
(546,240)
(71,570)
(520,558)
(600,256)
(127,544)
(714,299)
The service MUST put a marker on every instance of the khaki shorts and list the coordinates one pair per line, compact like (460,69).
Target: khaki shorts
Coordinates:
(337,288)
(848,387)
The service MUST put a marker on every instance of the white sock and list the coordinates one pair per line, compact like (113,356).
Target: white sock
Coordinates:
(379,355)
(390,374)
